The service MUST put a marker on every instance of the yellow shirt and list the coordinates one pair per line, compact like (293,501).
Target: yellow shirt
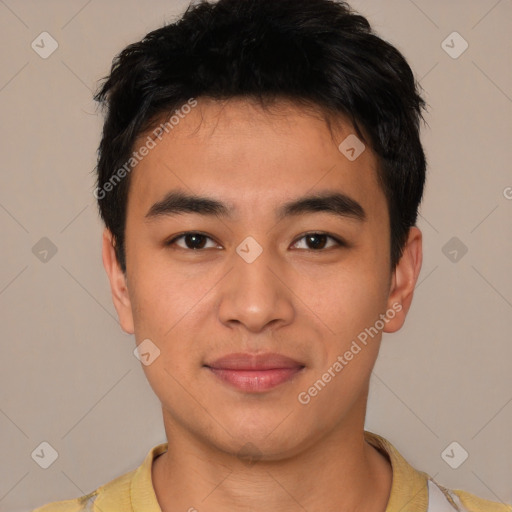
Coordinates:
(133,491)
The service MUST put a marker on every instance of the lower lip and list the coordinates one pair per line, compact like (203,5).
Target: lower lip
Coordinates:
(255,380)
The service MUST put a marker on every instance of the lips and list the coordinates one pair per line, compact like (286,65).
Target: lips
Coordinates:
(254,372)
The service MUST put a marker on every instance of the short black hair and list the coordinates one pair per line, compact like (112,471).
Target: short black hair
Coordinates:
(313,52)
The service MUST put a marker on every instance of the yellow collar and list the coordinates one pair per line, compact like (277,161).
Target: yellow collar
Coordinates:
(409,489)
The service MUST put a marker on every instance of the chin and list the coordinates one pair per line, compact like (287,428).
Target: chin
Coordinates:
(258,439)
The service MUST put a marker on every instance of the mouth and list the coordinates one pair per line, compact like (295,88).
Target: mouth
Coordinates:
(254,372)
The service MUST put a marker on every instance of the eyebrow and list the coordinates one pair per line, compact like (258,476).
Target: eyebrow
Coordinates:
(177,202)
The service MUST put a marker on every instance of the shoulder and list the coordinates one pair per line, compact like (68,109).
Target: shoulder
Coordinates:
(416,490)
(131,490)
(61,506)
(115,493)
(473,503)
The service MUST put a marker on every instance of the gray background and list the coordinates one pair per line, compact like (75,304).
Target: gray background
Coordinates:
(68,374)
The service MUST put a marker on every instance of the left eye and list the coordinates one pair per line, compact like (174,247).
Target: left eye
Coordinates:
(318,241)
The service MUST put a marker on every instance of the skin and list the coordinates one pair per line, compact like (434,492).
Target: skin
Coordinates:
(305,303)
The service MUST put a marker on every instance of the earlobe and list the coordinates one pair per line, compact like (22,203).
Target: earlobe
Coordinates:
(118,284)
(404,279)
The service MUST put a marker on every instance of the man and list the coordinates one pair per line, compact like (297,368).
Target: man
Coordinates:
(259,177)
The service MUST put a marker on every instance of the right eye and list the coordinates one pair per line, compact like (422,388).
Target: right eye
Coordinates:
(192,240)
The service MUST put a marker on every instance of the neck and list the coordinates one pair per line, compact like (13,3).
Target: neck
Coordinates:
(342,472)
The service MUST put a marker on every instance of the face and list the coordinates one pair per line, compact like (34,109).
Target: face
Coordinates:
(258,296)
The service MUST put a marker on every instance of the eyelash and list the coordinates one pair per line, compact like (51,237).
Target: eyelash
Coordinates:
(339,242)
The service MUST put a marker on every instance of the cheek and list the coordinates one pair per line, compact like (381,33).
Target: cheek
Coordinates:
(350,307)
(169,308)
(173,308)
(165,294)
(350,300)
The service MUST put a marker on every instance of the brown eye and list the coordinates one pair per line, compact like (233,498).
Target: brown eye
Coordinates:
(192,241)
(319,241)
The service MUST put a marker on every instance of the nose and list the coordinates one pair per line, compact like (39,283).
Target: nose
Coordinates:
(256,295)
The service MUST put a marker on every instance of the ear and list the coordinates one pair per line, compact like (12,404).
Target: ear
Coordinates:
(404,280)
(118,284)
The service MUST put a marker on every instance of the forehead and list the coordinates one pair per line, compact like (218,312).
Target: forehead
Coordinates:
(253,157)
